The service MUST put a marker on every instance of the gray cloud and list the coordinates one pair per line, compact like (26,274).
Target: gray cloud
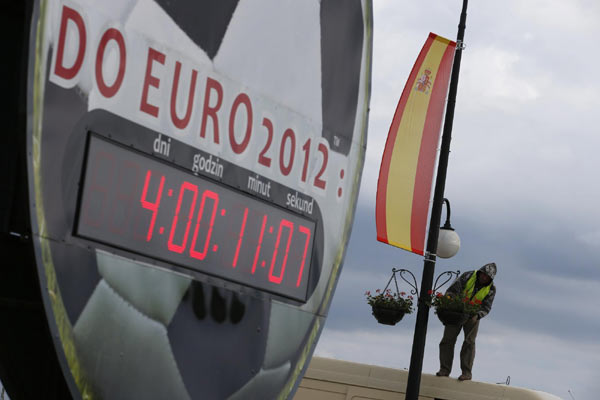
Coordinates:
(536,283)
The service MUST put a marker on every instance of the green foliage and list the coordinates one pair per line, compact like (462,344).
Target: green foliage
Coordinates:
(454,302)
(394,301)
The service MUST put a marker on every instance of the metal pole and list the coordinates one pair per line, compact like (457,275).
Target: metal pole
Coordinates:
(418,349)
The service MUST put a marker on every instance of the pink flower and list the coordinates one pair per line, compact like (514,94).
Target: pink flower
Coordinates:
(410,297)
(402,293)
(377,291)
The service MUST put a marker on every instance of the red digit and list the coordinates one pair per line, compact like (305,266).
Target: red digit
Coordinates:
(211,195)
(284,223)
(149,205)
(262,159)
(239,244)
(306,231)
(320,183)
(306,149)
(287,135)
(193,188)
(260,239)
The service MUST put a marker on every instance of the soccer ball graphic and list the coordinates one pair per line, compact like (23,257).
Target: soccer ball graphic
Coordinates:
(137,329)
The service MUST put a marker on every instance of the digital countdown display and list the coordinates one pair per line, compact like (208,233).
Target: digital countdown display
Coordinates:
(148,207)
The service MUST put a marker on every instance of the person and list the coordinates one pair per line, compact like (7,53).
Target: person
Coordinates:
(477,286)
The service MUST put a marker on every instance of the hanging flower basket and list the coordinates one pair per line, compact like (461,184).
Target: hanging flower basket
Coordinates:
(387,316)
(452,317)
(388,308)
(453,309)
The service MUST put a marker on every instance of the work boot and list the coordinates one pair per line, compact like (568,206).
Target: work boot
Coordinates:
(442,373)
(464,377)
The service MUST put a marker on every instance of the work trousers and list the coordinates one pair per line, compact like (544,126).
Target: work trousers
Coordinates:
(467,352)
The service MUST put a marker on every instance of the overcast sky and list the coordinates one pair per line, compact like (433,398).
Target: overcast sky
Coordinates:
(522,182)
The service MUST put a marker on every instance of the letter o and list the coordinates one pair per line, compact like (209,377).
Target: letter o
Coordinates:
(238,148)
(110,34)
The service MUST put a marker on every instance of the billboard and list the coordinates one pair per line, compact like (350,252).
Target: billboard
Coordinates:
(193,169)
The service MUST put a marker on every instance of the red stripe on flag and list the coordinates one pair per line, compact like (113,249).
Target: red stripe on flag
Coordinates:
(427,153)
(382,183)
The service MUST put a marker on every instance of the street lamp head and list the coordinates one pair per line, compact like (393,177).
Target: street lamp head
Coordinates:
(448,239)
(448,242)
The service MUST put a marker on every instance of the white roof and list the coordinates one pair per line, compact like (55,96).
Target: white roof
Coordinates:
(332,379)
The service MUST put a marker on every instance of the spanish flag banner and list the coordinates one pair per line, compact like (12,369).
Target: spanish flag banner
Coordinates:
(409,157)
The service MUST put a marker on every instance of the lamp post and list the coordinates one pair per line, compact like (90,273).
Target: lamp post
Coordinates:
(418,348)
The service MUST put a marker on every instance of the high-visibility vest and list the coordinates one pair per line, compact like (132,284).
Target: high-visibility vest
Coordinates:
(468,291)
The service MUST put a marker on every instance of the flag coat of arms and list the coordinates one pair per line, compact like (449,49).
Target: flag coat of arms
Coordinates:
(409,157)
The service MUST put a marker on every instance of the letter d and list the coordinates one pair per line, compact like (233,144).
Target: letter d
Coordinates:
(156,144)
(59,67)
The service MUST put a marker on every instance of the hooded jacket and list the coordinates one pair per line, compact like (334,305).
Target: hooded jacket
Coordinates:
(459,285)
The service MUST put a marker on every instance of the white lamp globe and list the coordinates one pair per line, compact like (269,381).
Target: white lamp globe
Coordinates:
(448,243)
